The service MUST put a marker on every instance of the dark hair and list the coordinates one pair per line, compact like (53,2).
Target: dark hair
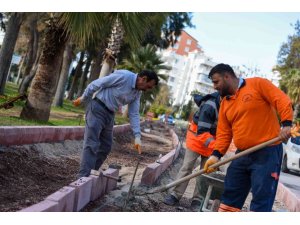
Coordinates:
(221,69)
(150,75)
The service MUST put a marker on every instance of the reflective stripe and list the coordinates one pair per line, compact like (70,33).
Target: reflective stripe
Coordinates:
(208,141)
(227,208)
(204,124)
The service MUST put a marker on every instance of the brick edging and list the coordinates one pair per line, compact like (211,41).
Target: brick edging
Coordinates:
(285,195)
(154,170)
(21,135)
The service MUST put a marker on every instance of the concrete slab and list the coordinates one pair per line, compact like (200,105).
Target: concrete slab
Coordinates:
(65,197)
(111,184)
(98,186)
(43,206)
(83,190)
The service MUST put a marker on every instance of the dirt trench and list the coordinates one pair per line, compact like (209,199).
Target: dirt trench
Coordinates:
(29,173)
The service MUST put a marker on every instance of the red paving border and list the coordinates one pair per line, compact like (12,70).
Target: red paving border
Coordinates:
(291,201)
(154,170)
(80,192)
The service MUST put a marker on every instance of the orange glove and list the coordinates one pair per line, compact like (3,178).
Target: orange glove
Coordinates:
(77,102)
(211,160)
(138,144)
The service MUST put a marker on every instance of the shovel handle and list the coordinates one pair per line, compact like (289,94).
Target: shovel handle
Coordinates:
(214,166)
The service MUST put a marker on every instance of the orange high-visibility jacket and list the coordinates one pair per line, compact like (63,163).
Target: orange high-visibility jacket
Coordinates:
(249,116)
(201,133)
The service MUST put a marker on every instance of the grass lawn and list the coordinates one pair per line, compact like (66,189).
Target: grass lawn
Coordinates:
(68,115)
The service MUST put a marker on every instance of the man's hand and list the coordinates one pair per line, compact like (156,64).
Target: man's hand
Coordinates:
(211,160)
(285,134)
(138,144)
(77,102)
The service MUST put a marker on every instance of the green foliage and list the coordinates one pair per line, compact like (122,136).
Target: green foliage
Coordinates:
(159,109)
(186,110)
(145,58)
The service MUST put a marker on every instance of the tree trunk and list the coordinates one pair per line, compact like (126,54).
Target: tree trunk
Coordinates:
(38,104)
(107,67)
(77,75)
(20,69)
(60,90)
(31,56)
(83,79)
(296,111)
(95,67)
(27,79)
(8,45)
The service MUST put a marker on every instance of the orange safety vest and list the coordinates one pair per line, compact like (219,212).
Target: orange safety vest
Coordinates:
(203,143)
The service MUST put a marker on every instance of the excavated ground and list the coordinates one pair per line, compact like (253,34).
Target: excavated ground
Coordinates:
(29,173)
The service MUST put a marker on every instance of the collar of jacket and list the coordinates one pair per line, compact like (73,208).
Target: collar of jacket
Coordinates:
(228,97)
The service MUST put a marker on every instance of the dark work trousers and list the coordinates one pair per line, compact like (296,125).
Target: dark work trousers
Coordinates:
(258,171)
(97,137)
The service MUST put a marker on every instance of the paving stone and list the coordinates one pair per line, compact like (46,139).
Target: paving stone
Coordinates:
(43,206)
(98,186)
(83,190)
(151,173)
(65,198)
(111,184)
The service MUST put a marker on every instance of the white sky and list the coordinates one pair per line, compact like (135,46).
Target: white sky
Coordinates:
(251,39)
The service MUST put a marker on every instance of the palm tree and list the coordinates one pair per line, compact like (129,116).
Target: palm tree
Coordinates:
(82,28)
(146,58)
(291,83)
(8,45)
(132,24)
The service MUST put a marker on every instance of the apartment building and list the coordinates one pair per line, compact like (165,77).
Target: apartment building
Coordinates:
(190,69)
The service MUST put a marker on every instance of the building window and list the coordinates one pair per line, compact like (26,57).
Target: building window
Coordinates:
(178,39)
(186,49)
(188,41)
(176,46)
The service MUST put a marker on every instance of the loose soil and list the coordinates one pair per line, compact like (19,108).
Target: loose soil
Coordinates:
(29,173)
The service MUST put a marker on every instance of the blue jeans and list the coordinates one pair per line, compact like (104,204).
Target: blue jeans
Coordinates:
(97,137)
(258,171)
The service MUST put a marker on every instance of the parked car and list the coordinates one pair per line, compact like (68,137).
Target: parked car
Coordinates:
(171,120)
(291,155)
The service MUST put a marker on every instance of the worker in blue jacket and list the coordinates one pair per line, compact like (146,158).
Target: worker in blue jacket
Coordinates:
(104,96)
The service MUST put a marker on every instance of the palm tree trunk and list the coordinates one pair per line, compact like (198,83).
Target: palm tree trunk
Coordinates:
(296,111)
(114,45)
(27,79)
(8,45)
(83,79)
(38,104)
(31,56)
(77,75)
(59,94)
(95,67)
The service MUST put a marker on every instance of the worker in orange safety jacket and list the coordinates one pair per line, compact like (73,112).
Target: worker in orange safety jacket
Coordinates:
(200,139)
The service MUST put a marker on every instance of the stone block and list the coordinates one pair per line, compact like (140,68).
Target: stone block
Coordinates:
(43,206)
(65,198)
(98,186)
(167,160)
(83,190)
(151,173)
(111,184)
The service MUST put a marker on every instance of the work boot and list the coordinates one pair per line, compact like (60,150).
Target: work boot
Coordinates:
(171,200)
(195,205)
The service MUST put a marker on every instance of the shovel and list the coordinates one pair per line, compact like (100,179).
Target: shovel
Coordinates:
(131,184)
(294,133)
(214,166)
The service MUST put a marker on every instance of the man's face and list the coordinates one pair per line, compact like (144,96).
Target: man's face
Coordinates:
(143,85)
(221,83)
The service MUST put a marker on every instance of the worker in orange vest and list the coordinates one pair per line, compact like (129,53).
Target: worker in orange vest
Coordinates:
(248,114)
(200,139)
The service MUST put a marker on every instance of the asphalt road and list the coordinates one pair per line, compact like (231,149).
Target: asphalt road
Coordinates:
(292,181)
